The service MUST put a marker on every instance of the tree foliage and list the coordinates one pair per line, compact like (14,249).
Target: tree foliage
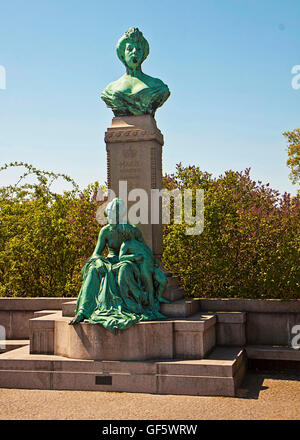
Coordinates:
(44,237)
(250,243)
(249,247)
(293,162)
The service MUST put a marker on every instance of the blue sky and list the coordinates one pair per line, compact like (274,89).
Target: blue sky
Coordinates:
(227,63)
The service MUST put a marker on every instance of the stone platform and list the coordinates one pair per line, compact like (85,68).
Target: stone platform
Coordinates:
(186,334)
(174,356)
(241,334)
(177,355)
(218,375)
(191,338)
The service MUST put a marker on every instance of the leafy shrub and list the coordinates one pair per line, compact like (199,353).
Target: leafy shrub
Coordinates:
(293,162)
(249,247)
(45,237)
(250,243)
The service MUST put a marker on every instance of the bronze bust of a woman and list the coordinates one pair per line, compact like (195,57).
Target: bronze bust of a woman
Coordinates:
(135,93)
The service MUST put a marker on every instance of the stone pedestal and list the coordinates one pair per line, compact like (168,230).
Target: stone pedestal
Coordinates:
(175,338)
(134,154)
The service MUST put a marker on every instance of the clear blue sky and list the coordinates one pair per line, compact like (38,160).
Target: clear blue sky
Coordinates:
(227,63)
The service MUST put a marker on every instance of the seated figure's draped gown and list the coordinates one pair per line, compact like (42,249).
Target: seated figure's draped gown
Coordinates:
(112,292)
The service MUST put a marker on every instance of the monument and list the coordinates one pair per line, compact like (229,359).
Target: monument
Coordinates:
(130,329)
(128,285)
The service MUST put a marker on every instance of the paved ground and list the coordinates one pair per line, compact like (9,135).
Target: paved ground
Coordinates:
(261,396)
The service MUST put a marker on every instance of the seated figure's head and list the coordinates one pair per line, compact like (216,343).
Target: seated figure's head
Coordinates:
(116,211)
(132,48)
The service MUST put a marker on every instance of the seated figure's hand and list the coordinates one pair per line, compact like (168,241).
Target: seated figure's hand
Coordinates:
(77,318)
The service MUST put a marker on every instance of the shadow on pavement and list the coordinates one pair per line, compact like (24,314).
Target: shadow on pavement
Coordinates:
(252,384)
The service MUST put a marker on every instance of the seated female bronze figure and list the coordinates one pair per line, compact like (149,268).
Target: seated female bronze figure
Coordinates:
(126,286)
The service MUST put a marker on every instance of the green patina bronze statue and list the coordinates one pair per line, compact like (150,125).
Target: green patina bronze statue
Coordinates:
(126,286)
(135,93)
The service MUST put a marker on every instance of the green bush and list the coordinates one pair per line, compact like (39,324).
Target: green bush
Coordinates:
(249,247)
(45,237)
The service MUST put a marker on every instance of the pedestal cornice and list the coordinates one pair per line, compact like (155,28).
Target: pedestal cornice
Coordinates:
(133,129)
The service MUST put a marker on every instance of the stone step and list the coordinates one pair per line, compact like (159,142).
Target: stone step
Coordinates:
(172,281)
(173,294)
(231,327)
(222,362)
(182,308)
(218,375)
(116,382)
(41,332)
(269,352)
(41,313)
(8,345)
(68,308)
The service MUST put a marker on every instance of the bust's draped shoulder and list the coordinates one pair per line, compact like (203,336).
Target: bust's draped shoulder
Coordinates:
(124,102)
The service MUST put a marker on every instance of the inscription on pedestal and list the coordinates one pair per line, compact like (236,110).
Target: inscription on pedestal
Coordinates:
(134,155)
(130,166)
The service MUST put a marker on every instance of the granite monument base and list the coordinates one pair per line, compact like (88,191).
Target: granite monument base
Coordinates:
(168,339)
